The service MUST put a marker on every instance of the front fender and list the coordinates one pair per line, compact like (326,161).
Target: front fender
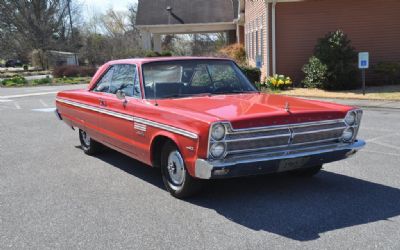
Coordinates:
(187,146)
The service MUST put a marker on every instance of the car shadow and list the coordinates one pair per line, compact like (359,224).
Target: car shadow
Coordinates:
(297,208)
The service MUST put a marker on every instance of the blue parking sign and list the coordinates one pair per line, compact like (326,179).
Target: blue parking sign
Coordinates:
(363,60)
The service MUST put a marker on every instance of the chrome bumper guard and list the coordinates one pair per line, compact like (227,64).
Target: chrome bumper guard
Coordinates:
(272,162)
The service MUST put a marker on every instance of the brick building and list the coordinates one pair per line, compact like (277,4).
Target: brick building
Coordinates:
(281,34)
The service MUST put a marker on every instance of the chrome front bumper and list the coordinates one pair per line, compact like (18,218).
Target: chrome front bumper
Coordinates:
(260,163)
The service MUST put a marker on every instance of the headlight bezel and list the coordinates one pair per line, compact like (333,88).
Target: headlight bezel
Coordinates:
(354,125)
(223,152)
(213,140)
(349,139)
(214,128)
(353,114)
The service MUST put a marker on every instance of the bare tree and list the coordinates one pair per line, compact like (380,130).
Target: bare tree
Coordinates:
(112,35)
(36,24)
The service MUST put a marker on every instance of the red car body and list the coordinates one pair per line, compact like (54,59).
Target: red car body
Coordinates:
(138,126)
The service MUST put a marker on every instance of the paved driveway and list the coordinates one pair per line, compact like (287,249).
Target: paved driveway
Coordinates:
(52,196)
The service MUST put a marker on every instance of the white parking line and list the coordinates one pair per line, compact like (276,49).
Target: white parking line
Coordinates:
(45,110)
(25,95)
(380,153)
(380,137)
(386,145)
(43,103)
(5,100)
(17,105)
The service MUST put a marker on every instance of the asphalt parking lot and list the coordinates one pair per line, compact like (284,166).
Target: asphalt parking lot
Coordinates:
(52,196)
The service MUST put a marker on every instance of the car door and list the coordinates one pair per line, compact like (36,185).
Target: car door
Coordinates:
(90,116)
(117,121)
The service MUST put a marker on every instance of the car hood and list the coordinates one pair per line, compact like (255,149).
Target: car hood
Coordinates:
(256,109)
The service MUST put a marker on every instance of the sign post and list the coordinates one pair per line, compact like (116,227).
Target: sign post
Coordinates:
(363,64)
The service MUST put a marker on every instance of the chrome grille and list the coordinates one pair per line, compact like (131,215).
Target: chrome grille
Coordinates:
(284,137)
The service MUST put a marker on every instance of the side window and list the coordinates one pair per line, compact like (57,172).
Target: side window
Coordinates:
(124,78)
(104,84)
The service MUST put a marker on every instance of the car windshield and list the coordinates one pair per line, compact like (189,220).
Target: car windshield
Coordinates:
(184,78)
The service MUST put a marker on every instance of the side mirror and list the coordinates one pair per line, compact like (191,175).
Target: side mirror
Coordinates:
(120,94)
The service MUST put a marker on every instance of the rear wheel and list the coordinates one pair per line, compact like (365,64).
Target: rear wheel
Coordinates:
(306,172)
(89,146)
(175,176)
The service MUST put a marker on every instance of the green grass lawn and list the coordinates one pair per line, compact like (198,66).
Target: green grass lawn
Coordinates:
(18,81)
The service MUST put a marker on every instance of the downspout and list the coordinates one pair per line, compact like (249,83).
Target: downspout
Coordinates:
(274,37)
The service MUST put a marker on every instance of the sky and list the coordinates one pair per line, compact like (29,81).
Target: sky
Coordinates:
(103,5)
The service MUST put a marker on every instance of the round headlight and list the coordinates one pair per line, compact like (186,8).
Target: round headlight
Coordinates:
(348,134)
(218,132)
(217,150)
(350,118)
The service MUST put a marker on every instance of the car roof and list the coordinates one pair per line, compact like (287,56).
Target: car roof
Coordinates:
(163,59)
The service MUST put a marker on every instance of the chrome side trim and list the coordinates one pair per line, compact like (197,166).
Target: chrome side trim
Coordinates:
(131,118)
(166,127)
(103,111)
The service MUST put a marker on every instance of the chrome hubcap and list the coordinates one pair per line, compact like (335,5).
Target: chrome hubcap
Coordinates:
(176,168)
(85,138)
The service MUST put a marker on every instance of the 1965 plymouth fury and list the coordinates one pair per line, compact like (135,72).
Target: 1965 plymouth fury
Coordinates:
(201,118)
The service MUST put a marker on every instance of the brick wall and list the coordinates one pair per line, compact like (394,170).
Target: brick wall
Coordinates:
(256,26)
(372,26)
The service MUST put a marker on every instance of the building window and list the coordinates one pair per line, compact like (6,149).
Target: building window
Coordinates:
(262,45)
(257,45)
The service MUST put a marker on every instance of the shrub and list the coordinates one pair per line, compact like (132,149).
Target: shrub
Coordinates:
(14,81)
(389,72)
(335,51)
(235,52)
(252,73)
(315,73)
(152,53)
(73,71)
(166,53)
(46,80)
(278,82)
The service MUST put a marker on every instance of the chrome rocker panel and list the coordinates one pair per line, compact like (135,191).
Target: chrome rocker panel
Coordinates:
(256,163)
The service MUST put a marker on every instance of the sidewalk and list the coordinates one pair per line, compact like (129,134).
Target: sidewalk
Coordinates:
(361,103)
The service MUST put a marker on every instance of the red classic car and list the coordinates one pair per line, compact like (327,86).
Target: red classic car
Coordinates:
(201,118)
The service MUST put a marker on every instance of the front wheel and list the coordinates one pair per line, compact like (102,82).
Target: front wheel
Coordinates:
(175,177)
(306,172)
(89,146)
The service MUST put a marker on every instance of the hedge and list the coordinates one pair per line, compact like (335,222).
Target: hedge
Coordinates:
(73,71)
(252,73)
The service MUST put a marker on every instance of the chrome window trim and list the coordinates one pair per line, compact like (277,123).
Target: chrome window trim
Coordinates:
(139,96)
(131,118)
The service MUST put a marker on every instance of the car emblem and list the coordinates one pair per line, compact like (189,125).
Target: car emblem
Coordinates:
(287,107)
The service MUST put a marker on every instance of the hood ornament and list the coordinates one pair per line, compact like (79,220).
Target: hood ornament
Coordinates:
(287,107)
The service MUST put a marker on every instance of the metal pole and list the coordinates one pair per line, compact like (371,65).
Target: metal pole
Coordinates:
(363,80)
